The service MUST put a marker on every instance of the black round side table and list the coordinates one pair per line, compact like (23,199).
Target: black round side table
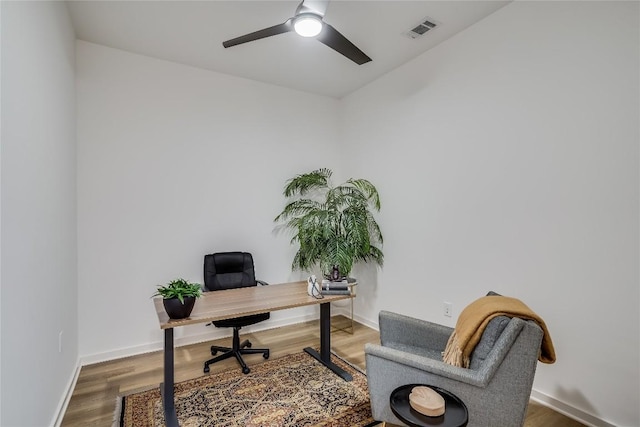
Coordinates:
(455,411)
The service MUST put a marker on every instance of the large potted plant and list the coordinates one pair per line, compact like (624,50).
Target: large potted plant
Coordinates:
(179,297)
(334,225)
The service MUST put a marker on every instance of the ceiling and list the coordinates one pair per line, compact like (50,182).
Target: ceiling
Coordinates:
(192,32)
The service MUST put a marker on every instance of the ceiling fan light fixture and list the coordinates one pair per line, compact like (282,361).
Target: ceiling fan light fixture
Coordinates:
(308,21)
(307,25)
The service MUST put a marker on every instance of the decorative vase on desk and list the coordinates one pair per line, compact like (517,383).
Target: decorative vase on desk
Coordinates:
(335,273)
(177,309)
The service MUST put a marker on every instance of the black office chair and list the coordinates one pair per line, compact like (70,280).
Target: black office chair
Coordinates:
(229,270)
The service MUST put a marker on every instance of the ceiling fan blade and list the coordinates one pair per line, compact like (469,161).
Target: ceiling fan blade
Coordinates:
(336,41)
(261,34)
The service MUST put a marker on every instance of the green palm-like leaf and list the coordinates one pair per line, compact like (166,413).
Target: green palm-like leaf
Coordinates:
(332,225)
(303,184)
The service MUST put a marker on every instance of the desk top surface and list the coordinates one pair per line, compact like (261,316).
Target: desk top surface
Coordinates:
(220,305)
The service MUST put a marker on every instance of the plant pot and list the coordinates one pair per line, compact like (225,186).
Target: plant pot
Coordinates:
(177,310)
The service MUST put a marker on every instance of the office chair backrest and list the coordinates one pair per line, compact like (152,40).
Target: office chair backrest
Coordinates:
(228,270)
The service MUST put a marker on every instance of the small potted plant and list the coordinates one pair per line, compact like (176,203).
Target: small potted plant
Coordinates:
(178,297)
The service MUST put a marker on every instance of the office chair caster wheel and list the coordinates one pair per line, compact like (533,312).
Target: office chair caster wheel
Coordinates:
(206,369)
(246,370)
(214,352)
(249,344)
(265,354)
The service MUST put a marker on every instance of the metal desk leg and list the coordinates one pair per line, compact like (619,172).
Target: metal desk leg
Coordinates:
(166,388)
(351,316)
(324,356)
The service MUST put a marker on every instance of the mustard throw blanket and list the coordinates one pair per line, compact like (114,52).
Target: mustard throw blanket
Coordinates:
(476,316)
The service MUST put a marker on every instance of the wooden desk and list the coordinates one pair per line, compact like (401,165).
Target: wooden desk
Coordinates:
(220,305)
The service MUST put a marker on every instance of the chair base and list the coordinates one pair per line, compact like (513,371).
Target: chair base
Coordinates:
(236,351)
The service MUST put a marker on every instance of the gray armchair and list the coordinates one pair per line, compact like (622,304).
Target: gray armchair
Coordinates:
(496,386)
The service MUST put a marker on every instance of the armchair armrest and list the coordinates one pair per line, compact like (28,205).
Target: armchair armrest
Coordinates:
(427,365)
(409,331)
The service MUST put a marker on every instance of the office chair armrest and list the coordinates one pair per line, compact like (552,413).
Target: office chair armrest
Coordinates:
(261,282)
(405,330)
(390,357)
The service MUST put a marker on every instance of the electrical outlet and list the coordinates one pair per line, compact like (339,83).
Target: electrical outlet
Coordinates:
(448,308)
(60,342)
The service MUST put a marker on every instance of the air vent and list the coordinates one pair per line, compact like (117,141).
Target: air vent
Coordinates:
(422,28)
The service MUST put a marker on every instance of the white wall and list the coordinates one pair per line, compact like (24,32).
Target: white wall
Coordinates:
(38,217)
(507,159)
(174,163)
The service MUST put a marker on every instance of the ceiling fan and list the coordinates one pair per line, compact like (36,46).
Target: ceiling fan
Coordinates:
(308,22)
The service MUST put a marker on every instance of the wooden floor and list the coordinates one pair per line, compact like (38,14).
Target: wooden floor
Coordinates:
(94,397)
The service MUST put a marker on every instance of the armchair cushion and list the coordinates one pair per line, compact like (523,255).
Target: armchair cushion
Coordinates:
(489,337)
(474,319)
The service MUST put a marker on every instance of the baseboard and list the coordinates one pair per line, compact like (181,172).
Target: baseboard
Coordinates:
(345,310)
(366,322)
(64,402)
(212,334)
(568,410)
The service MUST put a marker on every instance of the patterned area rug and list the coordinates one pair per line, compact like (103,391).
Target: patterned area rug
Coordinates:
(291,391)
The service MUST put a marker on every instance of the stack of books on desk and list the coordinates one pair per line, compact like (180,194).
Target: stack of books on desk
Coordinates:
(330,287)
